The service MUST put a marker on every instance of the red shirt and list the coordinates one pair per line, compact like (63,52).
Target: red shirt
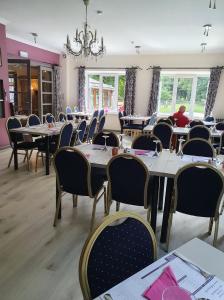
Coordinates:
(181,119)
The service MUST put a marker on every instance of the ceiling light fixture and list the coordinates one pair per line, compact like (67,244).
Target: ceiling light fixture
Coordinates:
(203,46)
(35,35)
(214,4)
(85,42)
(207,28)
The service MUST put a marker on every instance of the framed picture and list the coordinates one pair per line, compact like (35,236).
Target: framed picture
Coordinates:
(0,58)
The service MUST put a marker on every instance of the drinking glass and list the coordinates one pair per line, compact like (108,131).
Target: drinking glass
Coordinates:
(78,142)
(176,293)
(180,152)
(105,145)
(121,140)
(156,154)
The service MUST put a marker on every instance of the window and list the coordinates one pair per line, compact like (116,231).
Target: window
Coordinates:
(105,89)
(183,88)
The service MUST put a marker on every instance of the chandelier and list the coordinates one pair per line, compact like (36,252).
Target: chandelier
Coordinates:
(85,42)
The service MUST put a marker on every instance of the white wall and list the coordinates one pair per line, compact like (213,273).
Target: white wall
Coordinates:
(144,77)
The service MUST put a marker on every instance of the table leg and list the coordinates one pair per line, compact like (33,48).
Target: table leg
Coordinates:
(161,190)
(154,202)
(47,154)
(15,154)
(57,194)
(169,190)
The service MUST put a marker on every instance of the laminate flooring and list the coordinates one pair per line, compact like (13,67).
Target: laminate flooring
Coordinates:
(40,262)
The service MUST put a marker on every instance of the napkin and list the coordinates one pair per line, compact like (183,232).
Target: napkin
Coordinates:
(166,279)
(141,152)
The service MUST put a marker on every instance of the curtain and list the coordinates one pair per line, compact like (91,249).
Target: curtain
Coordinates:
(153,100)
(129,99)
(58,96)
(212,89)
(81,89)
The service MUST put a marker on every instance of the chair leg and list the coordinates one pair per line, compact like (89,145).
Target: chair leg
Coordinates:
(93,214)
(27,158)
(210,226)
(169,231)
(216,232)
(105,201)
(149,214)
(117,206)
(36,161)
(57,209)
(42,157)
(161,192)
(75,199)
(31,152)
(10,160)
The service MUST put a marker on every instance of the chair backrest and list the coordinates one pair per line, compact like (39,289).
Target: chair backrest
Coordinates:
(204,195)
(209,119)
(112,140)
(220,126)
(199,131)
(101,123)
(128,179)
(73,171)
(62,117)
(163,132)
(195,123)
(13,123)
(68,110)
(69,117)
(49,118)
(123,239)
(198,147)
(33,120)
(146,142)
(92,129)
(165,120)
(82,127)
(101,113)
(65,135)
(95,114)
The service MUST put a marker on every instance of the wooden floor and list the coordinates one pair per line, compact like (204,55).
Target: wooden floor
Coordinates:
(40,262)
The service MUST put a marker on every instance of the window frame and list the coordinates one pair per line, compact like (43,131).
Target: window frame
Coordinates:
(176,75)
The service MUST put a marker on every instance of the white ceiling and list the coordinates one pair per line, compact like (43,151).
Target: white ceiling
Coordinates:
(159,26)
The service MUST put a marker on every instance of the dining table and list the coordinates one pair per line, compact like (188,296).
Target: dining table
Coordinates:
(43,130)
(199,262)
(136,118)
(166,164)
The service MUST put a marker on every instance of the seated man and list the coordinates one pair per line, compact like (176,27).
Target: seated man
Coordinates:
(180,119)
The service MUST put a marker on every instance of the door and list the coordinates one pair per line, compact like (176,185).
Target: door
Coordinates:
(46,91)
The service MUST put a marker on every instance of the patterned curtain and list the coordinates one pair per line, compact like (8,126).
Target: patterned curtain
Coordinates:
(153,100)
(129,100)
(58,96)
(212,89)
(81,89)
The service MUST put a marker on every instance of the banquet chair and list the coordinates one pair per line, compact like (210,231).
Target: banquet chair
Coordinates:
(75,176)
(163,132)
(101,113)
(172,120)
(199,131)
(95,114)
(63,141)
(146,142)
(220,126)
(202,199)
(91,130)
(195,123)
(165,120)
(18,138)
(101,124)
(112,141)
(33,120)
(128,126)
(120,247)
(128,182)
(49,118)
(82,127)
(62,117)
(69,117)
(198,147)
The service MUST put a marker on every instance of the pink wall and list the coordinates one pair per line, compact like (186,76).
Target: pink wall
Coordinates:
(34,53)
(4,75)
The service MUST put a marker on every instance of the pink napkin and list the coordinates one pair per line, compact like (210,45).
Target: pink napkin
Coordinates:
(141,152)
(166,279)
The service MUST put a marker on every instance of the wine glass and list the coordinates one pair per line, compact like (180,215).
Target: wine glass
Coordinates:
(156,154)
(180,152)
(121,140)
(78,142)
(105,145)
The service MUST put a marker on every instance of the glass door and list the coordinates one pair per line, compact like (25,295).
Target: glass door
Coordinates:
(46,91)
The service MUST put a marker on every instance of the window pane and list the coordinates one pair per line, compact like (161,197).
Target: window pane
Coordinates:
(166,94)
(201,95)
(121,92)
(46,75)
(94,84)
(108,92)
(184,93)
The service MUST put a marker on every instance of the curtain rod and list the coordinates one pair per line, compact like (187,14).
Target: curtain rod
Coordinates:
(183,68)
(107,68)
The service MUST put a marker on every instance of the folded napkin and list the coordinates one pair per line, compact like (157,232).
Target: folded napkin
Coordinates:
(141,152)
(165,280)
